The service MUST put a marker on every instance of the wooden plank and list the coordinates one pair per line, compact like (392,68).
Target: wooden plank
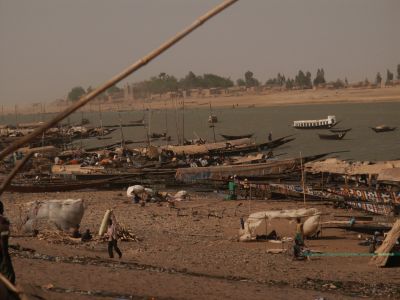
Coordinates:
(392,236)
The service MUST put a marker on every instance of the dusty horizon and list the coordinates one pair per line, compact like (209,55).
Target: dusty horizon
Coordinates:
(48,47)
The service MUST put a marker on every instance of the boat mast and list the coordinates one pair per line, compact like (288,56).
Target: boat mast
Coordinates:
(176,122)
(183,121)
(212,123)
(16,115)
(101,120)
(122,132)
(302,179)
(166,123)
(149,125)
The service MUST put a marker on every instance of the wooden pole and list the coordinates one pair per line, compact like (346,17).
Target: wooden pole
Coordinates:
(322,183)
(117,78)
(183,121)
(176,123)
(302,179)
(16,115)
(212,124)
(166,123)
(121,130)
(148,125)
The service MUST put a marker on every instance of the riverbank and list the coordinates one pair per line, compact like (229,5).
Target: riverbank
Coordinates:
(300,97)
(192,252)
(264,99)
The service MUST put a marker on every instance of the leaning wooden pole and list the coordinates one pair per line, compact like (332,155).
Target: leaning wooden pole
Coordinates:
(114,80)
(18,166)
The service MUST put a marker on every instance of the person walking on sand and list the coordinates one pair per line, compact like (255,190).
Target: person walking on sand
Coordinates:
(112,237)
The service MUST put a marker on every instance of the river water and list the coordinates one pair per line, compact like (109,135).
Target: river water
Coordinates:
(361,143)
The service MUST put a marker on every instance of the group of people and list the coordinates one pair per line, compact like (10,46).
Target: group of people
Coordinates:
(111,235)
(85,237)
(233,186)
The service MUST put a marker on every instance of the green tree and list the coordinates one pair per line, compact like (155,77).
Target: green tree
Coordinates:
(250,80)
(190,81)
(113,90)
(279,80)
(162,84)
(303,81)
(338,84)
(240,82)
(319,78)
(76,93)
(215,81)
(308,80)
(289,84)
(378,79)
(389,77)
(398,72)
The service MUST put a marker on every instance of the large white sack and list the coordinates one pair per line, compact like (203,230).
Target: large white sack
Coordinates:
(134,189)
(253,228)
(64,214)
(311,225)
(256,223)
(181,195)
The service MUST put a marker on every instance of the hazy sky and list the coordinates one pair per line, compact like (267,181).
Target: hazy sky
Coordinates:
(49,46)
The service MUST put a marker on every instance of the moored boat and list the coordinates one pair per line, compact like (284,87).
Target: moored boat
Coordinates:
(340,130)
(236,137)
(383,128)
(333,136)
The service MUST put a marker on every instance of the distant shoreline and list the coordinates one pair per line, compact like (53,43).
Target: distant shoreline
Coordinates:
(266,99)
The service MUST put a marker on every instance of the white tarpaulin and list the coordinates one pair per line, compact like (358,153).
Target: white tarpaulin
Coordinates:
(134,189)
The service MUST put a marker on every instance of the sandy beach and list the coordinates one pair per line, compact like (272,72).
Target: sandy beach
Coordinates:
(262,99)
(192,252)
(301,97)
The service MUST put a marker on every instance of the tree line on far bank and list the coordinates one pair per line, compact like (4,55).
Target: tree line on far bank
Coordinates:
(164,83)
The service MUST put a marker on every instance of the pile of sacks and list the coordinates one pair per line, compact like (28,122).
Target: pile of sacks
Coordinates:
(63,214)
(154,195)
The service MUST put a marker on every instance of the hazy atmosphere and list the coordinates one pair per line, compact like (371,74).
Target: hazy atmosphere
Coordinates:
(257,158)
(49,46)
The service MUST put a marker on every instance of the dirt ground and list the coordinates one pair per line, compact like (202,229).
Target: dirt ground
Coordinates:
(192,252)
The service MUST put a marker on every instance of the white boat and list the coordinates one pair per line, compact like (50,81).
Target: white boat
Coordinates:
(329,122)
